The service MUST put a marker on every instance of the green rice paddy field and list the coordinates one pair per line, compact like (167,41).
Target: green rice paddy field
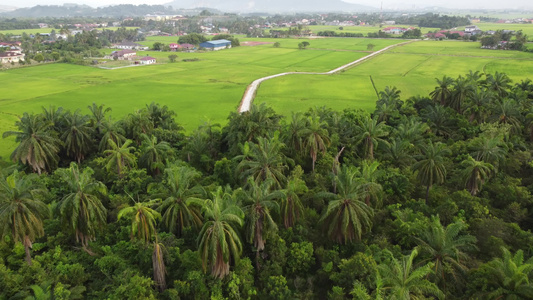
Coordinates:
(210,88)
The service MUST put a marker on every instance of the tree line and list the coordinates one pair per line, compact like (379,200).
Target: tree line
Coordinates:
(427,197)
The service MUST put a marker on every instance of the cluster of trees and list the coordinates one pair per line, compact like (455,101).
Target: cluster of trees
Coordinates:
(74,10)
(434,20)
(506,40)
(424,198)
(339,34)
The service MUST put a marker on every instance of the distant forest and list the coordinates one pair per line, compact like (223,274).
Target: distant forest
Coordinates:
(426,197)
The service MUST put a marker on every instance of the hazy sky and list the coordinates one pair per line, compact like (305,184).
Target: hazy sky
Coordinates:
(376,3)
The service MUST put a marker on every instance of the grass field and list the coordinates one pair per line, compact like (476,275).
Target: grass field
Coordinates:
(210,88)
(411,68)
(361,29)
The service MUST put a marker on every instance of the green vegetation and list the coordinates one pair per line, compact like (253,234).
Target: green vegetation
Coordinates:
(424,197)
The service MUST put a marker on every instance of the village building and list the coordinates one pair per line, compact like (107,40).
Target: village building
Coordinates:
(11,56)
(130,46)
(471,29)
(123,54)
(147,60)
(395,30)
(216,45)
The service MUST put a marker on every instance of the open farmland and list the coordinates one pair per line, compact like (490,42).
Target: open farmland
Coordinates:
(206,89)
(411,68)
(362,29)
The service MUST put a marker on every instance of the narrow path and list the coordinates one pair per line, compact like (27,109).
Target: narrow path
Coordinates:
(251,90)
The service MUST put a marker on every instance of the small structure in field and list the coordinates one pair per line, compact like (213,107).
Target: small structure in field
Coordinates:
(147,60)
(216,45)
(123,55)
(130,46)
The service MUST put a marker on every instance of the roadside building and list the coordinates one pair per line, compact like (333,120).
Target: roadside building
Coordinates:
(216,45)
(147,60)
(130,46)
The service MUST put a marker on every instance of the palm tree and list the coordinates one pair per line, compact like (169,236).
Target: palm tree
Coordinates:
(489,150)
(371,133)
(218,241)
(369,184)
(264,161)
(53,116)
(398,152)
(402,281)
(430,165)
(291,206)
(97,119)
(39,145)
(507,112)
(347,216)
(293,136)
(161,116)
(443,93)
(119,157)
(315,138)
(411,130)
(260,202)
(111,131)
(439,120)
(21,212)
(77,135)
(509,277)
(153,154)
(143,220)
(499,83)
(138,123)
(475,174)
(81,210)
(462,89)
(445,247)
(477,105)
(181,199)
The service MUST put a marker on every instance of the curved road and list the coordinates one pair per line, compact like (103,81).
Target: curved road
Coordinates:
(249,94)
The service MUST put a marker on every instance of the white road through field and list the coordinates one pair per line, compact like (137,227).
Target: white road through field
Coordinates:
(251,90)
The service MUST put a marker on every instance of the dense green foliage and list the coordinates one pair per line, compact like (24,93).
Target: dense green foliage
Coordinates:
(424,198)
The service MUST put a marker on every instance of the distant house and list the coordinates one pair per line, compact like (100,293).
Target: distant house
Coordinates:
(216,45)
(437,35)
(131,46)
(147,60)
(186,46)
(11,56)
(472,28)
(174,47)
(123,54)
(395,30)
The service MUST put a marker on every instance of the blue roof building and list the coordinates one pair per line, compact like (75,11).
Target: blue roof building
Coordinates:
(216,44)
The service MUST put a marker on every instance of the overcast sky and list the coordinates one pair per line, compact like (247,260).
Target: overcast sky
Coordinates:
(507,4)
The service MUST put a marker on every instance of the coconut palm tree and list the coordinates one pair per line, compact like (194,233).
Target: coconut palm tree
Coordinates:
(264,161)
(372,189)
(39,145)
(490,150)
(439,121)
(347,216)
(499,83)
(443,92)
(477,105)
(402,281)
(475,174)
(97,118)
(260,203)
(21,211)
(430,165)
(507,112)
(80,208)
(218,241)
(154,154)
(182,199)
(111,131)
(446,248)
(77,135)
(119,157)
(315,138)
(399,153)
(291,205)
(462,89)
(143,220)
(371,133)
(509,277)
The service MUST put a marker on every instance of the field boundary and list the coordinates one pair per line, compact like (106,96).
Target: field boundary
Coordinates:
(251,89)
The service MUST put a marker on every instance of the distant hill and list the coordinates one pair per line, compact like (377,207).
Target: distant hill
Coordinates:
(4,8)
(276,6)
(75,10)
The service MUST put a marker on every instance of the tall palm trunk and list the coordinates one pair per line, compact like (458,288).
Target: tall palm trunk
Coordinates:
(27,246)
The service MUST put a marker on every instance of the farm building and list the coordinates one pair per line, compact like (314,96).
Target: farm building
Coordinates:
(130,46)
(123,54)
(11,56)
(147,60)
(216,45)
